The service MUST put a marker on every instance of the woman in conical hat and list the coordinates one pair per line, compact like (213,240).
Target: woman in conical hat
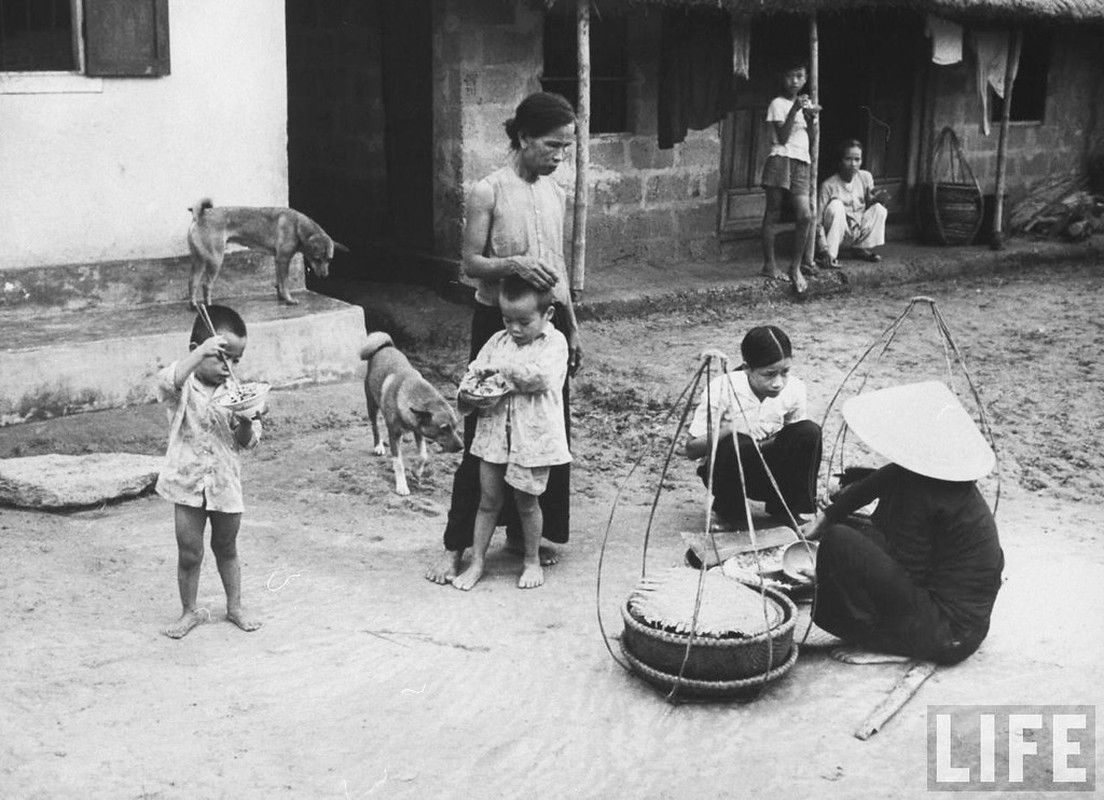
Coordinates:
(922,583)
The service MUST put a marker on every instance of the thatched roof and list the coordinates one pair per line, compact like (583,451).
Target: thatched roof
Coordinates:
(1058,10)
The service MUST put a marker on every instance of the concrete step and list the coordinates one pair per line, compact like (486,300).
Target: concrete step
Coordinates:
(105,356)
(30,291)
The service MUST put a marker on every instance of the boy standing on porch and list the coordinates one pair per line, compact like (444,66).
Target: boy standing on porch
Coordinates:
(787,171)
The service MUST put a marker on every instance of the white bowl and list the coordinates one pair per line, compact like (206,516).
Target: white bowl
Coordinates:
(251,399)
(799,556)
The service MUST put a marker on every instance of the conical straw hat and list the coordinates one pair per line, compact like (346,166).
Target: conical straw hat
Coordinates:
(923,428)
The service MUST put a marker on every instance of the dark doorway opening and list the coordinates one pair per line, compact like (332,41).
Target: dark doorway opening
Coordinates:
(360,134)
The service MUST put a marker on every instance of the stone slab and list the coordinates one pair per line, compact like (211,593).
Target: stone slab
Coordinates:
(71,362)
(60,481)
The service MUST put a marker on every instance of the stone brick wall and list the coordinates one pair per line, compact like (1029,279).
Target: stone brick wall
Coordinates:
(1038,153)
(646,204)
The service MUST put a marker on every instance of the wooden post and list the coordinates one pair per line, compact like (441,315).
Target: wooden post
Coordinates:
(814,138)
(997,240)
(582,152)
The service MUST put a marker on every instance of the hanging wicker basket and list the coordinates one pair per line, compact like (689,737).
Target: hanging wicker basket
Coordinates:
(718,659)
(949,207)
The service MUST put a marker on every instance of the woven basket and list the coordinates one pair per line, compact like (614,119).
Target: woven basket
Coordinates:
(689,689)
(949,206)
(712,658)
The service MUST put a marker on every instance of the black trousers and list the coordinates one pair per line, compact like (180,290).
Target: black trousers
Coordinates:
(555,503)
(793,455)
(867,598)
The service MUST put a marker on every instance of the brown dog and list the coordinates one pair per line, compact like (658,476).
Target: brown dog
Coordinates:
(280,231)
(409,403)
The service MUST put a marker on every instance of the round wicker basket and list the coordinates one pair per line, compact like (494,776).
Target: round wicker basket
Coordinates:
(689,689)
(712,658)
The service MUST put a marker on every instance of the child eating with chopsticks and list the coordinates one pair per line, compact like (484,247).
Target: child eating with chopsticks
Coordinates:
(202,470)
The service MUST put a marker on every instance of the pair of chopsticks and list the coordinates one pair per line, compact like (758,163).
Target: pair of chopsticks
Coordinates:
(202,309)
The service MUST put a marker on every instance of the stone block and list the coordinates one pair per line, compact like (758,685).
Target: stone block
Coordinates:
(651,224)
(608,153)
(644,154)
(58,481)
(699,153)
(619,189)
(506,47)
(665,188)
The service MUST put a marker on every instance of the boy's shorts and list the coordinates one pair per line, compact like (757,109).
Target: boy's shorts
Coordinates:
(786,173)
(531,480)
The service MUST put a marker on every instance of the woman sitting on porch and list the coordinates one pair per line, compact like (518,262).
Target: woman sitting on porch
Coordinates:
(852,213)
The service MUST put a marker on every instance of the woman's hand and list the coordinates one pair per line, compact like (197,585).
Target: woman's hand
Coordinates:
(574,355)
(531,270)
(815,529)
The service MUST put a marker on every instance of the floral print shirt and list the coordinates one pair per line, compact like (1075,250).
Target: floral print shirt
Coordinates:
(202,464)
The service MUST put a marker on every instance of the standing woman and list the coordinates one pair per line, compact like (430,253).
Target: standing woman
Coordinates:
(515,226)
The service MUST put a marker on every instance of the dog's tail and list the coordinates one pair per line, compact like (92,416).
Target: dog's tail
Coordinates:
(201,205)
(376,342)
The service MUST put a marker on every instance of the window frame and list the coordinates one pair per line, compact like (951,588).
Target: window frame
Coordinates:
(79,80)
(624,79)
(1045,43)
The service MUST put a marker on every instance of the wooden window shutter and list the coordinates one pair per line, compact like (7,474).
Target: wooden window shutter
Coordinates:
(126,37)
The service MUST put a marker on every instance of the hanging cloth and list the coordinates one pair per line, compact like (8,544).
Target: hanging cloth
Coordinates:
(695,72)
(741,46)
(946,39)
(992,62)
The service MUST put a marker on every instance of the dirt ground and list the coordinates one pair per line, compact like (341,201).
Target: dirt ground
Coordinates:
(367,681)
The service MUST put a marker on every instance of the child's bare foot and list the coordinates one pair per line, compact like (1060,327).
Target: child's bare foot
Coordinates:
(800,285)
(771,271)
(469,577)
(242,619)
(180,628)
(849,654)
(548,556)
(531,577)
(445,568)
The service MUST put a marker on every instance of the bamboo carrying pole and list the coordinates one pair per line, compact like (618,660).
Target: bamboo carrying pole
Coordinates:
(900,694)
(1010,69)
(582,152)
(814,138)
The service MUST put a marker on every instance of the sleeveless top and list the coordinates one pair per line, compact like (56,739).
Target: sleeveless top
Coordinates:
(526,219)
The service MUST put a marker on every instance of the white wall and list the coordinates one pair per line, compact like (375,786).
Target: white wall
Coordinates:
(108,171)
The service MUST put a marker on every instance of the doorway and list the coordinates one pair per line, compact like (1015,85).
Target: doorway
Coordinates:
(360,132)
(867,63)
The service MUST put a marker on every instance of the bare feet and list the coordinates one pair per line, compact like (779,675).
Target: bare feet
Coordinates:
(469,577)
(548,555)
(242,619)
(770,271)
(445,568)
(180,628)
(531,577)
(800,285)
(850,654)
